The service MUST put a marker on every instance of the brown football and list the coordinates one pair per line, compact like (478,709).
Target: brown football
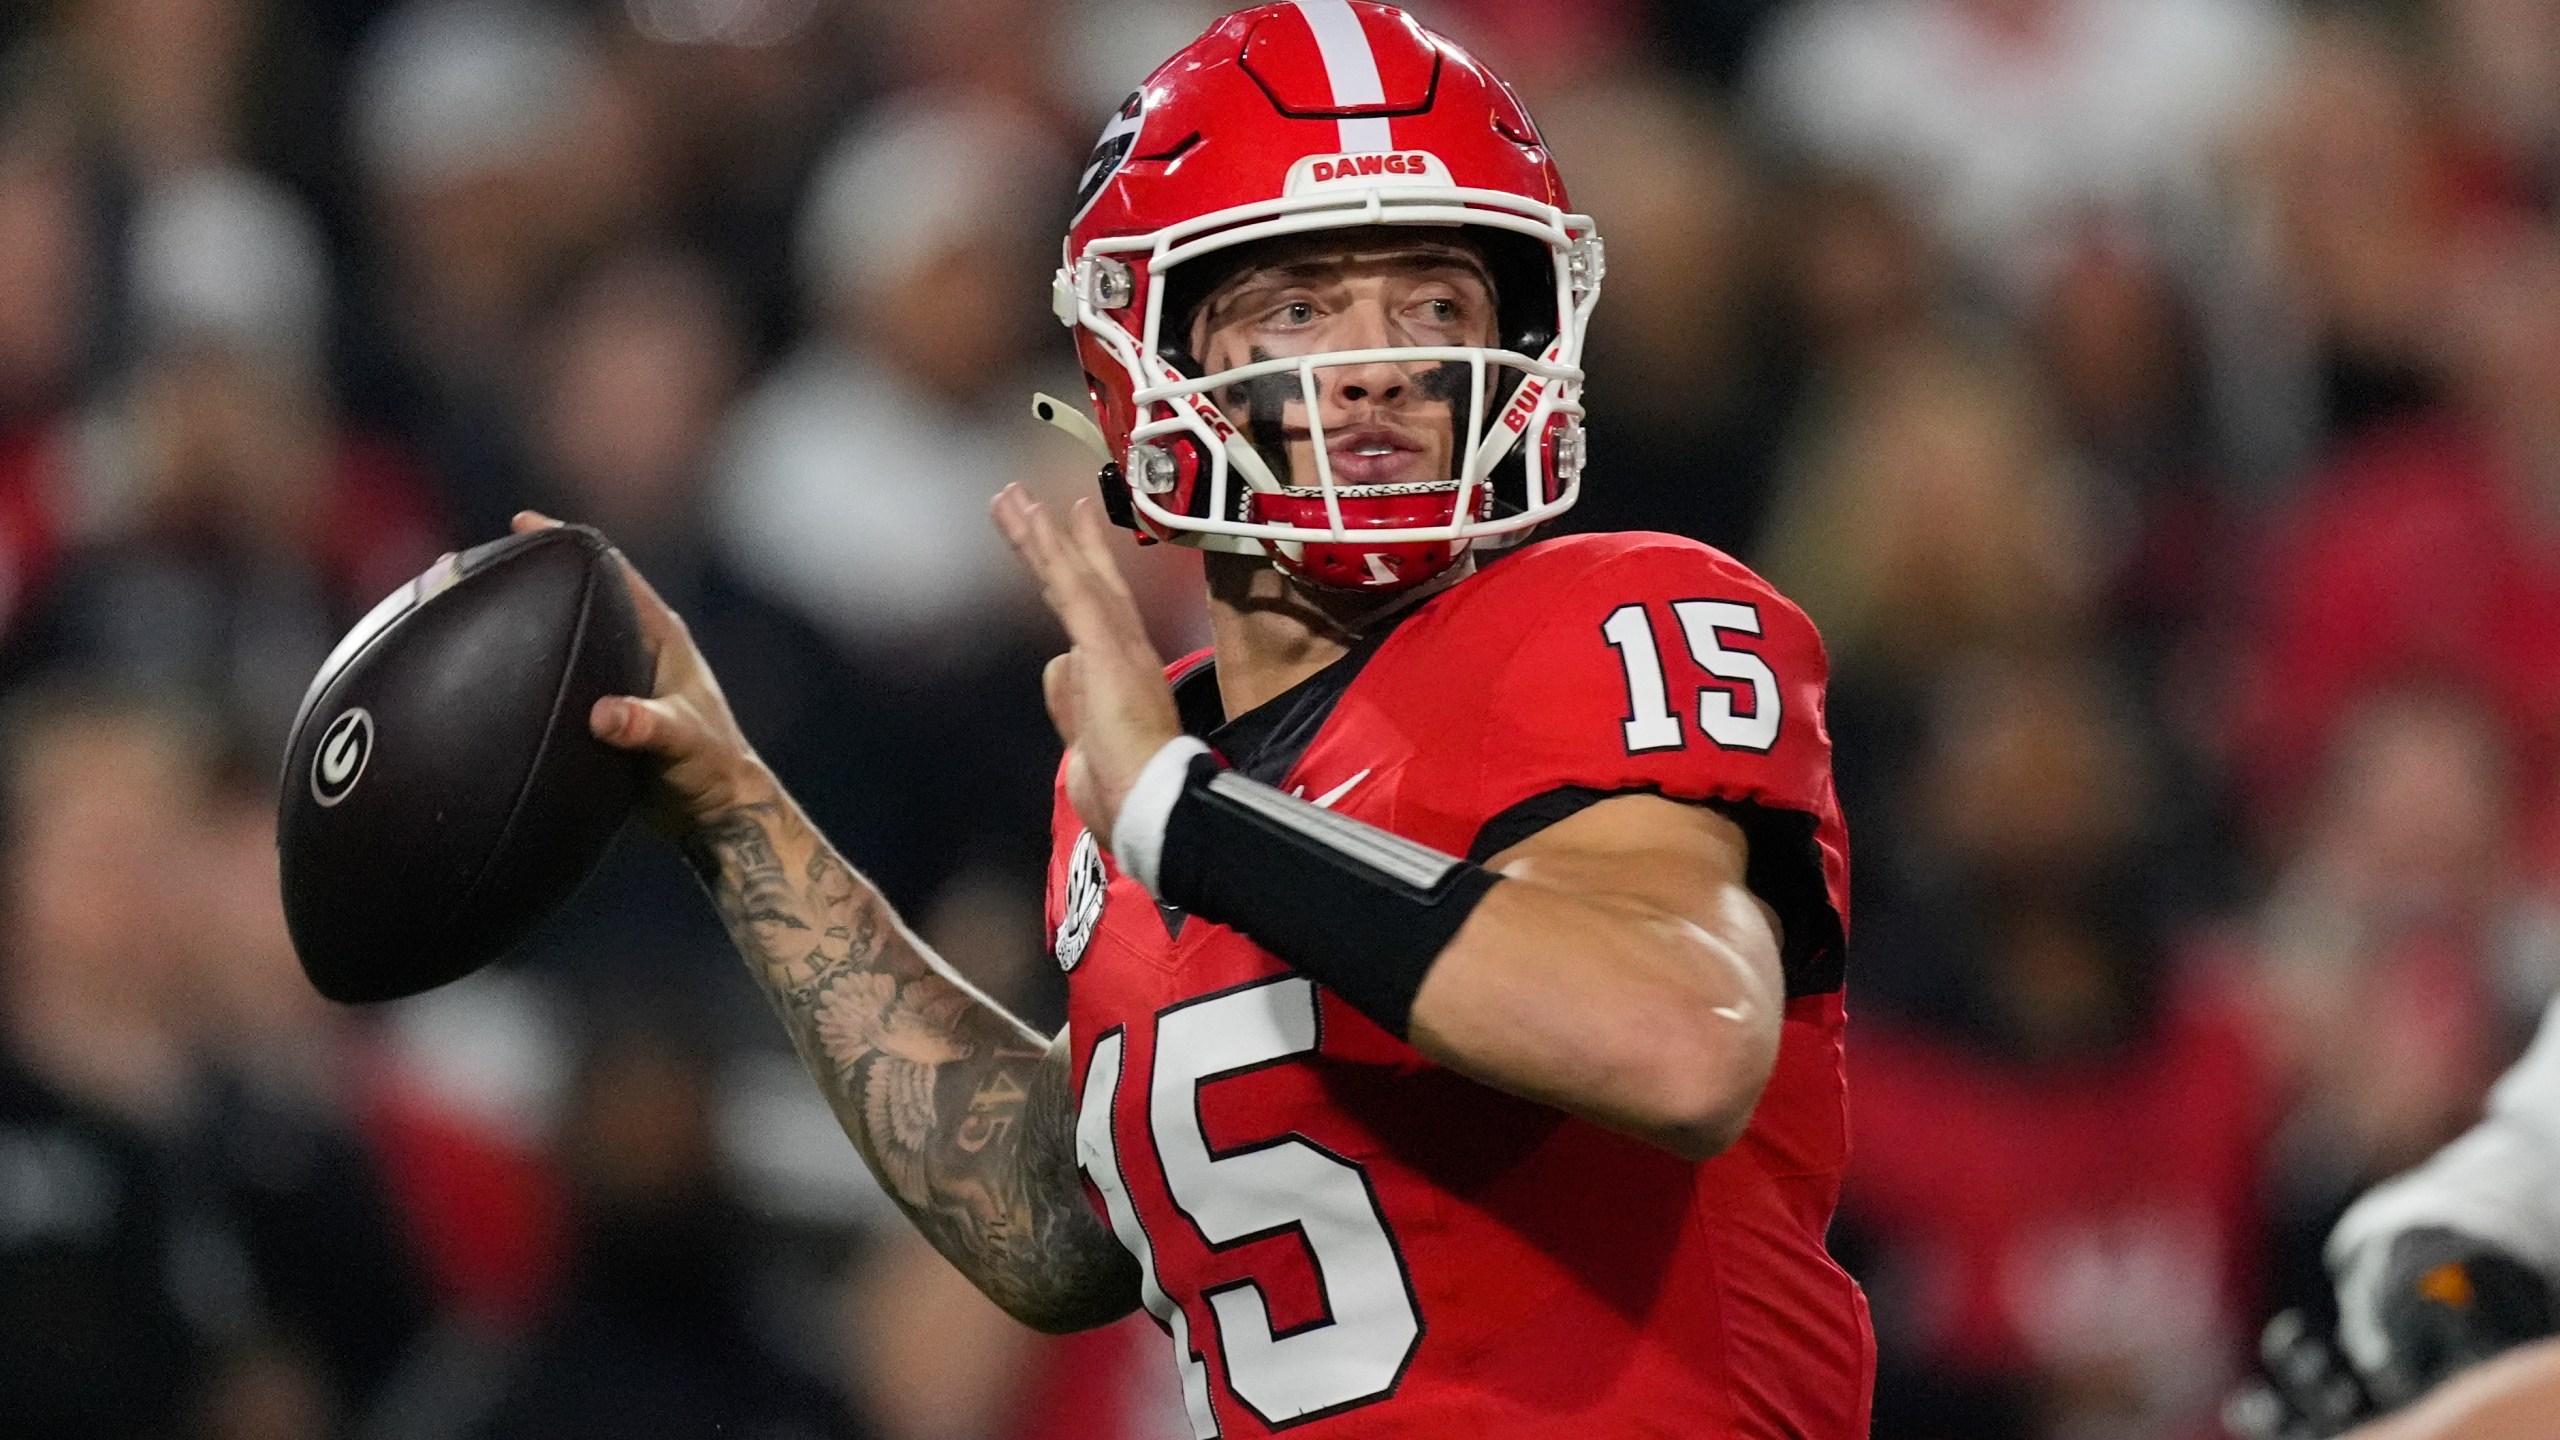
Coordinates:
(442,795)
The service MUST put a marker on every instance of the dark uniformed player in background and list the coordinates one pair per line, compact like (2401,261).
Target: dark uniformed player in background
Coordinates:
(1453,954)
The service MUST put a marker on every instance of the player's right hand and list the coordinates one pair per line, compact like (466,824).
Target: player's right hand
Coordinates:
(1107,695)
(705,765)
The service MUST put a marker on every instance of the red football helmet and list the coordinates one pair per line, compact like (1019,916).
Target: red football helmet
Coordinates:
(1319,115)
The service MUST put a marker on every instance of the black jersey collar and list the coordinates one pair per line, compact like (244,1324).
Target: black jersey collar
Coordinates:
(1264,743)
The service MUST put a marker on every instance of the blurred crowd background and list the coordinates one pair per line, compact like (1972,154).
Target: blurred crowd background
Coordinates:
(2157,403)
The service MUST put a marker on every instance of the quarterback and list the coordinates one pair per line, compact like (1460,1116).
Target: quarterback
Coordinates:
(1454,953)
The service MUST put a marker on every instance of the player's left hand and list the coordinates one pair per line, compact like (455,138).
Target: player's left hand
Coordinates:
(1107,695)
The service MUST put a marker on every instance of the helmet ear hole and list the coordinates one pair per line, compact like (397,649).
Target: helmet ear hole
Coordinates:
(1524,287)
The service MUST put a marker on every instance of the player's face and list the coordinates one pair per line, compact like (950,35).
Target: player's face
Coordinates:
(1383,424)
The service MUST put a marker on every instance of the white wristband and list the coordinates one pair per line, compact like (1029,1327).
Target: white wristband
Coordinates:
(1137,835)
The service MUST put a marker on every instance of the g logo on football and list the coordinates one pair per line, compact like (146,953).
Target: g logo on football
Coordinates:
(339,762)
(1083,915)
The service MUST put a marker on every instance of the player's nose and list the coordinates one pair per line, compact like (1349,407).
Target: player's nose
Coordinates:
(1365,325)
(1379,383)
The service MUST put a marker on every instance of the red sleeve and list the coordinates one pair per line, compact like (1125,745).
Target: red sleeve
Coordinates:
(1662,665)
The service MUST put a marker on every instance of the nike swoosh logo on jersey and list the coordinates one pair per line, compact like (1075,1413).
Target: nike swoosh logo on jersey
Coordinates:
(1326,800)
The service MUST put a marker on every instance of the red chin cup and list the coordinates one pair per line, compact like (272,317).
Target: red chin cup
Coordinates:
(1379,569)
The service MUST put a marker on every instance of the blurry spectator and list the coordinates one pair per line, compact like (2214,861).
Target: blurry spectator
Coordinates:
(2429,548)
(2504,63)
(458,107)
(48,280)
(170,86)
(463,1103)
(101,787)
(1935,512)
(1930,515)
(169,77)
(860,472)
(1857,276)
(2007,122)
(638,366)
(276,1144)
(657,1332)
(2109,332)
(182,1112)
(2404,952)
(2348,178)
(209,524)
(2121,351)
(48,314)
(1684,421)
(109,1326)
(494,145)
(734,100)
(1002,52)
(857,476)
(2058,1126)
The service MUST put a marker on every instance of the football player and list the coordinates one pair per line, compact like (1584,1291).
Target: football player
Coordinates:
(1454,953)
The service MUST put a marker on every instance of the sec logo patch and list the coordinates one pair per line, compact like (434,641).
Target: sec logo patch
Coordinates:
(1084,901)
(339,762)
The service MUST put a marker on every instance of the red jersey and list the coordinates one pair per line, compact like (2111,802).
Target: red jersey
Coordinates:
(1346,1239)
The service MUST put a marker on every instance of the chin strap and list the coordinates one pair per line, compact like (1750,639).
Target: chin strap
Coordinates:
(1054,411)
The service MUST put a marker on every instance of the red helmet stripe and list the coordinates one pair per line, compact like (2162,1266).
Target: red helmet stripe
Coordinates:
(1352,67)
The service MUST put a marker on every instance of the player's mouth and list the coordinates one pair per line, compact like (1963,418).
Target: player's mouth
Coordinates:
(1374,455)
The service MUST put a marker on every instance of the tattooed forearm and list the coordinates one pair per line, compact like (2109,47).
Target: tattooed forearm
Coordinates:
(961,1111)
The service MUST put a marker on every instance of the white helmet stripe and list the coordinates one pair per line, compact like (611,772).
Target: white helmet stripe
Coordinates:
(1352,67)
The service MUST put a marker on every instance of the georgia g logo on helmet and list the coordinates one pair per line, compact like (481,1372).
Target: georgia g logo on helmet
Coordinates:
(1112,150)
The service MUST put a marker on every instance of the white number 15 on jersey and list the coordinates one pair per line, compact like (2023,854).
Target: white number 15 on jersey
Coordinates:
(1357,1353)
(1650,725)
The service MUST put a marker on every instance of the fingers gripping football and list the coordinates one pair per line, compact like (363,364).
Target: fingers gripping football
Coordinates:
(1107,695)
(705,765)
